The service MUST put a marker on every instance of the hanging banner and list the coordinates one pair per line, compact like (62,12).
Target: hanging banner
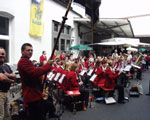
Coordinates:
(36,24)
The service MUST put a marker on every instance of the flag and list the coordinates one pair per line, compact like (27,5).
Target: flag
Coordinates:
(36,24)
(91,8)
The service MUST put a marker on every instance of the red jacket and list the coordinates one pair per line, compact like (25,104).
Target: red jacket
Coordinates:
(43,58)
(62,86)
(100,77)
(54,56)
(29,73)
(62,57)
(110,79)
(71,82)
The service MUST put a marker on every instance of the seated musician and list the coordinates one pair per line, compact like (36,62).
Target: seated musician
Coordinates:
(111,82)
(72,83)
(99,72)
(99,81)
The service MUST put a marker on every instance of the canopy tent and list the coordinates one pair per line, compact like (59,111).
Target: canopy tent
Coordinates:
(122,41)
(132,49)
(81,47)
(116,43)
(142,49)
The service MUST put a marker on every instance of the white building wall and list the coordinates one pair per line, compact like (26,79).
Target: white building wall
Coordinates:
(20,23)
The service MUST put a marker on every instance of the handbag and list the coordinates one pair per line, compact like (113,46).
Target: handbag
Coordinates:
(134,92)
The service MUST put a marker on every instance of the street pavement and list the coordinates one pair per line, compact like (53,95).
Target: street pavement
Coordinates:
(136,109)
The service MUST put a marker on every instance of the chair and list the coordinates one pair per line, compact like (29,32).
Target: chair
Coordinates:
(107,91)
(73,94)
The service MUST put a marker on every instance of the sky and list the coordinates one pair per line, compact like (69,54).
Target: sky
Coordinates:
(123,8)
(126,8)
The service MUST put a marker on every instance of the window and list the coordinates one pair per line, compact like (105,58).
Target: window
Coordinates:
(57,46)
(56,27)
(63,29)
(68,45)
(62,44)
(68,30)
(4,26)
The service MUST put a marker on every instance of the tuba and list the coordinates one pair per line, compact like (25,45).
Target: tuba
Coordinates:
(138,60)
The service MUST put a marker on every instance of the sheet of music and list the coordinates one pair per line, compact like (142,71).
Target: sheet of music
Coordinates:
(127,68)
(57,76)
(136,66)
(90,72)
(62,78)
(93,77)
(82,72)
(110,100)
(51,77)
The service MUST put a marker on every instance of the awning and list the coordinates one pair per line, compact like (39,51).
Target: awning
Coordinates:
(108,26)
(116,44)
(132,49)
(122,41)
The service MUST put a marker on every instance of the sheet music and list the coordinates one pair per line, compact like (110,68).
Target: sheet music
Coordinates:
(57,76)
(62,78)
(90,72)
(120,69)
(136,66)
(110,100)
(49,75)
(127,68)
(93,77)
(82,72)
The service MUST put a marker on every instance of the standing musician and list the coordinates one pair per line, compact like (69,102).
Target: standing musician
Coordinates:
(43,57)
(31,77)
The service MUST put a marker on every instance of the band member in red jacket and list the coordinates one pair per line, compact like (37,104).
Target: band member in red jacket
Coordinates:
(72,82)
(111,82)
(63,55)
(43,57)
(31,77)
(99,72)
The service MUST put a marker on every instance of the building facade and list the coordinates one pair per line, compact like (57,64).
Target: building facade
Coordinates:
(15,24)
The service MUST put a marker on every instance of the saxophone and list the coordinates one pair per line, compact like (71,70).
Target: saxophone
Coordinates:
(46,92)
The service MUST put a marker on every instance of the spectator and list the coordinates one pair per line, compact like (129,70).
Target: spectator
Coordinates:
(6,78)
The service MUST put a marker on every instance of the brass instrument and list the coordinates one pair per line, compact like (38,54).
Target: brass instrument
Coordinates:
(138,60)
(46,92)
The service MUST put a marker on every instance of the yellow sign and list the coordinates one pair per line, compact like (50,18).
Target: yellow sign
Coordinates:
(36,24)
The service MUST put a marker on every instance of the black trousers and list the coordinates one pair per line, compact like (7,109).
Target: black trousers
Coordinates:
(49,106)
(84,95)
(120,89)
(139,74)
(35,110)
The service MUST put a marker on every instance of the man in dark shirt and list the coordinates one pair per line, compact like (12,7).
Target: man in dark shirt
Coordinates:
(6,78)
